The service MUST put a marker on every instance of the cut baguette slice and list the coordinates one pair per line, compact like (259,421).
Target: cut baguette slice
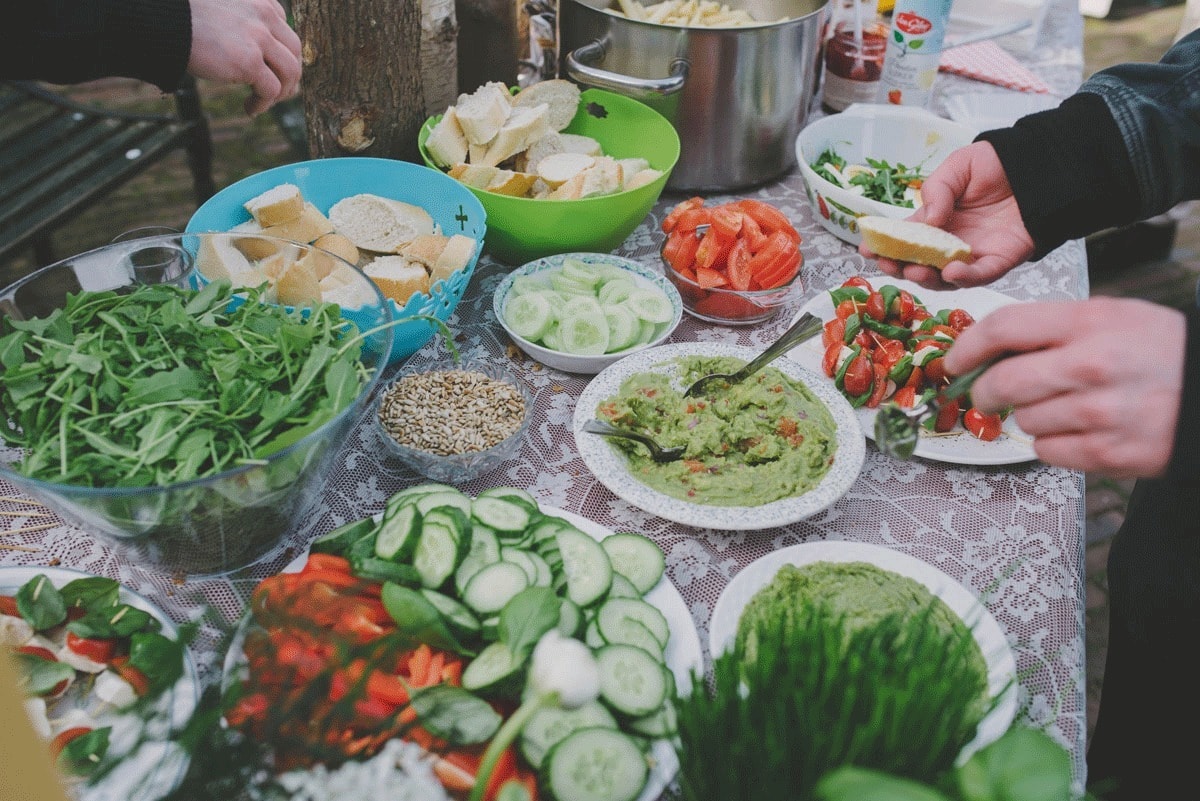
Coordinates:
(912,242)
(578,143)
(524,126)
(378,223)
(603,178)
(455,256)
(338,245)
(397,277)
(298,285)
(481,113)
(308,227)
(474,174)
(640,178)
(513,184)
(447,144)
(217,258)
(548,145)
(561,97)
(254,247)
(556,170)
(279,204)
(425,249)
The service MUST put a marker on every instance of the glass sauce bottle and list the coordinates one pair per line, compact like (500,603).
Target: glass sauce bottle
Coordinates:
(852,72)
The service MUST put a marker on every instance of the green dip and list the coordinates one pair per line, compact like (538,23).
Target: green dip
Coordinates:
(858,593)
(758,441)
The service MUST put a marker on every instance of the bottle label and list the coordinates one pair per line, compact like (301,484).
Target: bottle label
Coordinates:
(914,50)
(842,92)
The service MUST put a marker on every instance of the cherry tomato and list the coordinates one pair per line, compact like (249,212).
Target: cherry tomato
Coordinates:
(919,314)
(903,307)
(860,375)
(960,320)
(668,223)
(95,649)
(134,675)
(8,606)
(984,426)
(66,736)
(858,281)
(935,370)
(915,378)
(874,307)
(847,308)
(879,387)
(829,362)
(888,352)
(905,397)
(833,331)
(947,416)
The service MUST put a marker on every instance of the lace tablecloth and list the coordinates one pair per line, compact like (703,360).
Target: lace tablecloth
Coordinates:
(1012,534)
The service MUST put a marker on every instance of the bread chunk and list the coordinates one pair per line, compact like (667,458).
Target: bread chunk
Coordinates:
(523,127)
(481,113)
(397,277)
(379,224)
(559,95)
(912,242)
(455,256)
(254,247)
(279,204)
(308,227)
(447,144)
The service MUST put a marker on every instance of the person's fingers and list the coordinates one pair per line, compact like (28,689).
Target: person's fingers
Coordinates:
(1113,456)
(928,277)
(1014,328)
(1057,415)
(284,34)
(983,270)
(285,65)
(266,87)
(1024,380)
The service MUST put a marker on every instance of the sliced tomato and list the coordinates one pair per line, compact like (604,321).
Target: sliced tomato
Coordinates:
(134,675)
(753,233)
(66,736)
(847,309)
(692,219)
(833,331)
(95,649)
(829,361)
(726,306)
(709,278)
(982,425)
(860,375)
(8,606)
(960,320)
(737,265)
(769,218)
(776,275)
(875,307)
(713,250)
(772,256)
(727,220)
(888,351)
(858,281)
(905,397)
(327,561)
(38,651)
(668,223)
(879,387)
(684,255)
(947,416)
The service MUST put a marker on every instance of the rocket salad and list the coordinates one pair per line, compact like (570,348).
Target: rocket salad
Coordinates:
(879,180)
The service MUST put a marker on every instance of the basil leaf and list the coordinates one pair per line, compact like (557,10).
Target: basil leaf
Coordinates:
(81,756)
(839,379)
(455,715)
(158,657)
(853,326)
(889,294)
(902,369)
(855,293)
(90,592)
(886,329)
(40,603)
(531,613)
(122,620)
(42,675)
(1024,763)
(417,618)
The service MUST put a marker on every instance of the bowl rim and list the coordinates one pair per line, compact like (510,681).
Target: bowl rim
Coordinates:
(589,93)
(443,364)
(350,411)
(503,291)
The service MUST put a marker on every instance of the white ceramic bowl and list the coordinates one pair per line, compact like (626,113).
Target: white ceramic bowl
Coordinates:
(570,362)
(896,134)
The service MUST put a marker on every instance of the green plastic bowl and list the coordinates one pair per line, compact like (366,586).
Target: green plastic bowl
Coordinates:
(523,229)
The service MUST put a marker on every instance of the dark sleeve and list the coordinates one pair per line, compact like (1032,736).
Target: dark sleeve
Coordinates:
(69,41)
(1185,459)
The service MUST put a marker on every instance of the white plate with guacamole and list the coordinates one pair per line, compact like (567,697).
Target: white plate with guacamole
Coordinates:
(1001,666)
(1013,446)
(777,448)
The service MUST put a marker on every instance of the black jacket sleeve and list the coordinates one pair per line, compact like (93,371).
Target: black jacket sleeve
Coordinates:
(1185,458)
(68,41)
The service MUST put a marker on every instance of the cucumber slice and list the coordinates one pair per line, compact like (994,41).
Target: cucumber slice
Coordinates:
(491,668)
(501,514)
(569,286)
(544,577)
(549,726)
(615,290)
(631,680)
(410,494)
(457,616)
(585,566)
(570,618)
(650,305)
(485,550)
(648,332)
(637,558)
(456,522)
(398,533)
(596,764)
(592,636)
(623,588)
(627,631)
(341,539)
(433,500)
(529,315)
(613,611)
(657,725)
(436,556)
(520,558)
(493,586)
(584,334)
(581,272)
(552,339)
(623,327)
(512,494)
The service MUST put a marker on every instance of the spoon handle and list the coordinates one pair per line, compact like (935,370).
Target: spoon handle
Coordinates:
(806,327)
(607,430)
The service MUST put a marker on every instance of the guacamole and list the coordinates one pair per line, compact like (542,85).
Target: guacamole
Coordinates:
(859,594)
(758,441)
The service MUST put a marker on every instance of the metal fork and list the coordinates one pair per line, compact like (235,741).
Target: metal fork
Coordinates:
(897,428)
(657,452)
(804,328)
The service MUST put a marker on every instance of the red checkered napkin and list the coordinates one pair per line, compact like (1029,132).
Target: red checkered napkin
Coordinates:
(988,61)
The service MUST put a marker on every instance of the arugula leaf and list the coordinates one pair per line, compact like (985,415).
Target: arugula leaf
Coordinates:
(40,676)
(531,613)
(455,715)
(40,603)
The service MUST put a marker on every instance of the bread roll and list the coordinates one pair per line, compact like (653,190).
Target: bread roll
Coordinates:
(379,224)
(279,204)
(397,277)
(912,242)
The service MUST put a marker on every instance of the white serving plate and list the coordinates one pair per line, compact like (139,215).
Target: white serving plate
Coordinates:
(1012,447)
(158,766)
(610,468)
(1002,667)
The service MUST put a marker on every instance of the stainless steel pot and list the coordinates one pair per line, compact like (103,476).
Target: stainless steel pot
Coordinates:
(737,96)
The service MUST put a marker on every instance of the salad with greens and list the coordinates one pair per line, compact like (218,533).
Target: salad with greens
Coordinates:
(878,180)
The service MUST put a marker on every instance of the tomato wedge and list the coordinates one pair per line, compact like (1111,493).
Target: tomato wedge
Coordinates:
(95,649)
(8,606)
(668,223)
(769,218)
(738,264)
(66,736)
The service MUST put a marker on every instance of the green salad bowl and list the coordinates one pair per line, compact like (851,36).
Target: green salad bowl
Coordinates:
(522,229)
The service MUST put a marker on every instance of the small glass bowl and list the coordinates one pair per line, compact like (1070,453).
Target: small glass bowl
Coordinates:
(459,467)
(729,306)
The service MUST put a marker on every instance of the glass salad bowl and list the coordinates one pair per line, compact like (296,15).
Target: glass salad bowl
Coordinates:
(129,444)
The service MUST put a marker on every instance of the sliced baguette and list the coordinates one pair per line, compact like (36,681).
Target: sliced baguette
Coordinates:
(513,184)
(640,179)
(425,249)
(523,127)
(297,284)
(279,204)
(455,256)
(560,96)
(913,242)
(556,170)
(447,144)
(548,145)
(338,245)
(603,178)
(481,113)
(217,258)
(310,226)
(254,247)
(578,143)
(397,277)
(379,224)
(474,174)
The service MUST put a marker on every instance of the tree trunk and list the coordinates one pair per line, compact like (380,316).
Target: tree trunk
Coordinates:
(487,42)
(363,92)
(439,54)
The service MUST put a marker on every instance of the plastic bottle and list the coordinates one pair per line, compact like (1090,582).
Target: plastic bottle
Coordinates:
(914,49)
(853,64)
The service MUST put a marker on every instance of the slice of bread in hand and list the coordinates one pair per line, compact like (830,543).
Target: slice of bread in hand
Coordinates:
(913,242)
(455,256)
(308,227)
(578,143)
(481,113)
(378,223)
(556,170)
(561,96)
(523,127)
(447,144)
(397,277)
(279,204)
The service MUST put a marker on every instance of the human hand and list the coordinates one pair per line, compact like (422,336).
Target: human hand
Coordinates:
(969,196)
(246,41)
(1097,383)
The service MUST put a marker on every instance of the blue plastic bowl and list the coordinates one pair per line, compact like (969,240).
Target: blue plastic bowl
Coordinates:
(324,182)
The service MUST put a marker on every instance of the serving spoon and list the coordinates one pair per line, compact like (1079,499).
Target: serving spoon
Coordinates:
(897,428)
(657,452)
(806,327)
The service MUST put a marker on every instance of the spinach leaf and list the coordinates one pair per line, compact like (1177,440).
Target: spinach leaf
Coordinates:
(455,715)
(40,603)
(531,613)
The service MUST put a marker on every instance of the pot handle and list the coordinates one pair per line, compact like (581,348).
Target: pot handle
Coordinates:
(581,66)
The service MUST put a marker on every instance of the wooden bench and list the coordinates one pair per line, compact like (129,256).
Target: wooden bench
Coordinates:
(58,157)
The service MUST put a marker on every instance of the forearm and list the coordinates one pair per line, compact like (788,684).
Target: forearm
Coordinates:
(68,41)
(1185,458)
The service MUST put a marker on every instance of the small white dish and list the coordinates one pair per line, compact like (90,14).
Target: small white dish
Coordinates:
(987,110)
(1002,667)
(1014,445)
(611,469)
(574,363)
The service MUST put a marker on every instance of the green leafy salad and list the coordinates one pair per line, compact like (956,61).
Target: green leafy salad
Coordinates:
(162,385)
(894,184)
